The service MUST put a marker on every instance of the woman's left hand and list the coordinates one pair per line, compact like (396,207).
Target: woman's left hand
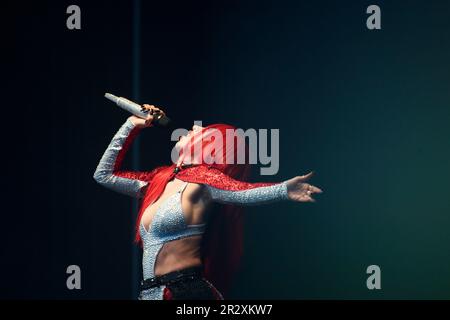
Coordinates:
(299,190)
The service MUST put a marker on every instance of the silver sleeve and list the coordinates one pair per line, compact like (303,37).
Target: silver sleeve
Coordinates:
(104,174)
(255,196)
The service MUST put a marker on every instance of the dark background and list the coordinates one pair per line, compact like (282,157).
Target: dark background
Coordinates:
(368,111)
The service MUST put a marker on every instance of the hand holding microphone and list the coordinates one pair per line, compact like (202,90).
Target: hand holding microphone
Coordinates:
(150,119)
(144,115)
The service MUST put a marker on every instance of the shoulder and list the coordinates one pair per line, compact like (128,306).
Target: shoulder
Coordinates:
(195,191)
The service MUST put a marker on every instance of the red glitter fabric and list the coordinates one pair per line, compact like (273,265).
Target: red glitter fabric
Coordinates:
(167,294)
(209,175)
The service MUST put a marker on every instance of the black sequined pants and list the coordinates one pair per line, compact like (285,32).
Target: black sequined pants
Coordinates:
(185,284)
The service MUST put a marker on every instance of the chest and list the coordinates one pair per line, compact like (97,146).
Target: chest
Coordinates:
(167,207)
(177,208)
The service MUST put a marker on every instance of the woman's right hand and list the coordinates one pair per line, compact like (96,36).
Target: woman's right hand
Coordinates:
(147,122)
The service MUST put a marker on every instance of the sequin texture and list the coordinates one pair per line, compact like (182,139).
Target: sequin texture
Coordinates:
(105,175)
(254,196)
(168,224)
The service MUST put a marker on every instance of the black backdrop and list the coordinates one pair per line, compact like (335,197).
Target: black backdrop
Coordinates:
(367,110)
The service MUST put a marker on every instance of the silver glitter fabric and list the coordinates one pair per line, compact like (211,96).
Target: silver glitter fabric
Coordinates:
(168,224)
(255,196)
(155,293)
(104,172)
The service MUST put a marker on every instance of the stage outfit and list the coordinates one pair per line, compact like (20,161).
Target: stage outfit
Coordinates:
(168,223)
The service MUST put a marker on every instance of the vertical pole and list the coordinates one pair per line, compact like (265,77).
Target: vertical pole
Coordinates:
(136,150)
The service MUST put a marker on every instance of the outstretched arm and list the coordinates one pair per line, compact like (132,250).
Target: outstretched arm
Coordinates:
(225,189)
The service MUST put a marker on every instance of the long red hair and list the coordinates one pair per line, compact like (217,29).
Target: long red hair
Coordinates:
(222,244)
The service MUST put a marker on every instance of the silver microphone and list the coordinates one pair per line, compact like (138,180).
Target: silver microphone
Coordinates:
(138,110)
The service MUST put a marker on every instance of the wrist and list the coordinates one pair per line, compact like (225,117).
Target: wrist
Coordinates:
(139,122)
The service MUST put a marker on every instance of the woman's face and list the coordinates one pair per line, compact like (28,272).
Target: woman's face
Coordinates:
(183,140)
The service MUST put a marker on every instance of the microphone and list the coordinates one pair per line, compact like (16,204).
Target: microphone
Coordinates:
(138,110)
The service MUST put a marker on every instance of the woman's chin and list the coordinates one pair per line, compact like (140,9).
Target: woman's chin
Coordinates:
(179,145)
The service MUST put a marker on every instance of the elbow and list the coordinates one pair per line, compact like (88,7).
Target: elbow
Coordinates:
(100,177)
(97,177)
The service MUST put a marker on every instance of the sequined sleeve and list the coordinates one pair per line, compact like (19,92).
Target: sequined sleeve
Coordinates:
(255,196)
(108,172)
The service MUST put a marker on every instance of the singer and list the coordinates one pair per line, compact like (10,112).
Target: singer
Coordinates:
(191,246)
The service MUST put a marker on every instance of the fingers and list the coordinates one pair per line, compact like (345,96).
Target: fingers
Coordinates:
(302,191)
(150,107)
(151,111)
(307,192)
(147,109)
(314,189)
(310,190)
(307,198)
(306,177)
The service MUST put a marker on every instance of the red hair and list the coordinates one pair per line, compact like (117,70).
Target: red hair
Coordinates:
(222,243)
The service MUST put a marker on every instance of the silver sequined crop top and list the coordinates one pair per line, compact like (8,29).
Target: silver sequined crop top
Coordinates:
(168,224)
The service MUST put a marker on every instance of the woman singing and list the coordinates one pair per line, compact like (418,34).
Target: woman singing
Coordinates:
(191,247)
